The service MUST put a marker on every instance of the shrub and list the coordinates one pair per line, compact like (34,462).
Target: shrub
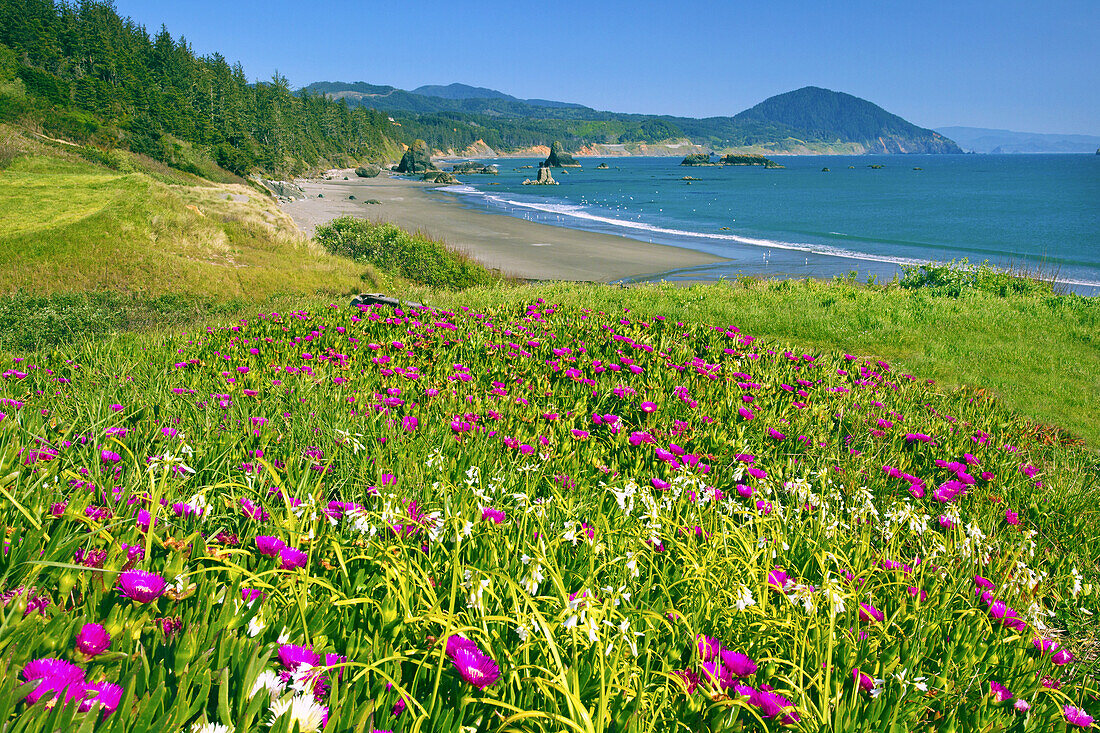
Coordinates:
(952,279)
(414,257)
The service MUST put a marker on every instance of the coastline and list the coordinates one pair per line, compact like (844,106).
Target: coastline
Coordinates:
(514,246)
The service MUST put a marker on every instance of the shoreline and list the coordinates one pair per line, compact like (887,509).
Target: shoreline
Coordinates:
(516,247)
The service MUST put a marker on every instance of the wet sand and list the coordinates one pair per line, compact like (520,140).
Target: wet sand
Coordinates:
(516,247)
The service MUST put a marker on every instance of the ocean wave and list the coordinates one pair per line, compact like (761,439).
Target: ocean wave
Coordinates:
(823,250)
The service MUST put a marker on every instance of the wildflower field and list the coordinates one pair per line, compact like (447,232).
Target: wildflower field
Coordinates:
(530,518)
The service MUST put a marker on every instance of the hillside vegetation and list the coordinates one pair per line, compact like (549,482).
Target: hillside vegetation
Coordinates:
(810,119)
(83,73)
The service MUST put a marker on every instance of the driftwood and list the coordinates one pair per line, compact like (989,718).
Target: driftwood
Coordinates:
(368,299)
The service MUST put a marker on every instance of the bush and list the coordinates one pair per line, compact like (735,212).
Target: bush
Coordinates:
(411,256)
(952,279)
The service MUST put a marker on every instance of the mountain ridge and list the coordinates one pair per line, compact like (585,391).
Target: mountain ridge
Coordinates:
(806,120)
(993,140)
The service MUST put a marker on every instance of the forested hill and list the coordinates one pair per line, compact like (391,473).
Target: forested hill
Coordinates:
(806,120)
(83,73)
(824,113)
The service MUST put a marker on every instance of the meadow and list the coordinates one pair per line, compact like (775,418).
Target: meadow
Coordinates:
(531,515)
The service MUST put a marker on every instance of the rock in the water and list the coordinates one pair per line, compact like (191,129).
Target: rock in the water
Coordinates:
(416,159)
(558,158)
(473,167)
(544,179)
(439,177)
(824,170)
(365,300)
(602,167)
(734,159)
(698,159)
(367,171)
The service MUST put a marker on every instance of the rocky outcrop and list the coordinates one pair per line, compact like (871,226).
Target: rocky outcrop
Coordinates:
(558,158)
(698,159)
(735,159)
(284,190)
(416,159)
(368,171)
(544,178)
(602,167)
(475,168)
(442,177)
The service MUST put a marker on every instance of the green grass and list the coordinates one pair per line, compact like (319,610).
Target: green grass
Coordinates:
(1040,355)
(73,226)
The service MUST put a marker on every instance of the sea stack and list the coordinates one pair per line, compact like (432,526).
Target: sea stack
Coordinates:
(558,158)
(544,178)
(417,159)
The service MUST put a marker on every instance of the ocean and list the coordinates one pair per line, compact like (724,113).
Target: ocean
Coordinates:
(1036,213)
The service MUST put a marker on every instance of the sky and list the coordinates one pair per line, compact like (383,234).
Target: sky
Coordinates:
(1027,66)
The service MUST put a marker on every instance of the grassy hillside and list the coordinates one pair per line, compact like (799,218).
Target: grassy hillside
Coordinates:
(71,225)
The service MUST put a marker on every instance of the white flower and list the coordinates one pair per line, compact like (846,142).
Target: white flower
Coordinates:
(744,599)
(303,710)
(211,728)
(267,681)
(255,625)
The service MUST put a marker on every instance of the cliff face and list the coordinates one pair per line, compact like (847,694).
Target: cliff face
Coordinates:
(416,159)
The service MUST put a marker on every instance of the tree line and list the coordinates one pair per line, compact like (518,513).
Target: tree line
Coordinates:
(81,71)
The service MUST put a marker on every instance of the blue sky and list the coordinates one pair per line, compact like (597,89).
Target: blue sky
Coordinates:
(1030,66)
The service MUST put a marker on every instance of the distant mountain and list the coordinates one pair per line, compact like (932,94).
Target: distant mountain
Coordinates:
(465,91)
(460,117)
(825,114)
(391,99)
(985,140)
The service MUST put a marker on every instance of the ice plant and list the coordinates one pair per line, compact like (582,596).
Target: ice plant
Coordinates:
(92,639)
(476,668)
(141,585)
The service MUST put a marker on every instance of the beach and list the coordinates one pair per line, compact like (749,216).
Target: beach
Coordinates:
(516,247)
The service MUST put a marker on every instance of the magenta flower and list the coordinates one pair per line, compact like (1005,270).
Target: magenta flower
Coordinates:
(102,694)
(1077,717)
(999,692)
(268,545)
(56,678)
(1012,517)
(409,423)
(141,585)
(456,642)
(293,656)
(92,639)
(291,558)
(737,663)
(865,683)
(867,612)
(708,647)
(475,667)
(649,407)
(492,515)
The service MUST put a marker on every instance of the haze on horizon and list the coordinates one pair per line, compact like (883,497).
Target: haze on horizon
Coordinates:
(1007,65)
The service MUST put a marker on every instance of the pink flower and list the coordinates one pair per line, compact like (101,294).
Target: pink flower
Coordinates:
(1077,717)
(1012,517)
(492,515)
(106,695)
(92,639)
(141,585)
(708,647)
(867,612)
(292,656)
(475,667)
(865,683)
(291,558)
(999,692)
(268,545)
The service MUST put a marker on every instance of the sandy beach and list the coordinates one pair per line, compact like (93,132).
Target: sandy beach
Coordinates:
(516,247)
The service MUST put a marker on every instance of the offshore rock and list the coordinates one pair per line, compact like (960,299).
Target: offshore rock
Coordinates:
(439,177)
(544,179)
(558,158)
(416,159)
